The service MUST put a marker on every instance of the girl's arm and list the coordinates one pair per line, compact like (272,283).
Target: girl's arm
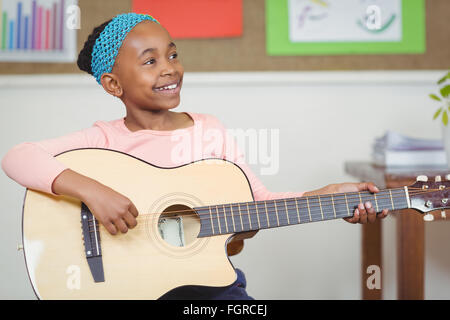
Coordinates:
(112,209)
(34,166)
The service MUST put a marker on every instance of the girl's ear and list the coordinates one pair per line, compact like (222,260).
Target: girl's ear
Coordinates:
(111,84)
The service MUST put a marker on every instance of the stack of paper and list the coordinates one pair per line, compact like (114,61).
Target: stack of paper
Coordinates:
(394,149)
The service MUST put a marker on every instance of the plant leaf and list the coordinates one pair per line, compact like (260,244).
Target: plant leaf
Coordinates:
(437,113)
(435,97)
(445,118)
(445,91)
(447,76)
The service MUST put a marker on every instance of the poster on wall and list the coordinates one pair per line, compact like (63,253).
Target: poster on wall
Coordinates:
(327,27)
(38,30)
(195,18)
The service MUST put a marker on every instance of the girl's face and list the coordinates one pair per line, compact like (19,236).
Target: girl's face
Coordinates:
(148,70)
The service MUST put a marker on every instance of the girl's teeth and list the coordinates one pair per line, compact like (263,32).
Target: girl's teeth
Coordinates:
(173,86)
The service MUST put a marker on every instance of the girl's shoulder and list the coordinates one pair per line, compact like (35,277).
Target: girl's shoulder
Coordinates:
(206,119)
(116,126)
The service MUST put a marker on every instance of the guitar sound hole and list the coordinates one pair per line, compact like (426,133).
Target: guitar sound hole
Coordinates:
(179,225)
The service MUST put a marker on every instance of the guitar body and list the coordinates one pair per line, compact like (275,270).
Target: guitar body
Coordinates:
(140,264)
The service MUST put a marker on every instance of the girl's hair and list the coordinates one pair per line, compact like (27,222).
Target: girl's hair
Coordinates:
(85,55)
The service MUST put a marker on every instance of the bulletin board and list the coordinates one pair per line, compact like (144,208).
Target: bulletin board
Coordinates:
(248,52)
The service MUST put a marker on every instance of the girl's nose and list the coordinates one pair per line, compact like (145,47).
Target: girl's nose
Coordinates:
(167,69)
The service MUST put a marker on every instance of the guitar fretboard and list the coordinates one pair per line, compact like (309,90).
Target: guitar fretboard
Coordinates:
(249,216)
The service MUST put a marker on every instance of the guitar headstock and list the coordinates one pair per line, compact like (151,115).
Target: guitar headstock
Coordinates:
(429,194)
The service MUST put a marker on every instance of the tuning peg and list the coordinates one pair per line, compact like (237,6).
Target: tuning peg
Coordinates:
(428,217)
(422,178)
(447,177)
(437,179)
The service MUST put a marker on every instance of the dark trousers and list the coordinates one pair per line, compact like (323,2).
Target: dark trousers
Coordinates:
(235,291)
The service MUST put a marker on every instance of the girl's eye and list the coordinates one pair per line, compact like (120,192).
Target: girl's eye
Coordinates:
(151,61)
(174,56)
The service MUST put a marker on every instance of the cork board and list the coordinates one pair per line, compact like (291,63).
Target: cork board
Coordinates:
(248,53)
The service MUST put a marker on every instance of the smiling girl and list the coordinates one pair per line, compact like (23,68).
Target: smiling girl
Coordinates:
(134,59)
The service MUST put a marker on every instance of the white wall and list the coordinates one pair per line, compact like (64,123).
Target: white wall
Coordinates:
(324,118)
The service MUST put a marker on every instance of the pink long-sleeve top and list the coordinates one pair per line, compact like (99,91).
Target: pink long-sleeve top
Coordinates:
(33,165)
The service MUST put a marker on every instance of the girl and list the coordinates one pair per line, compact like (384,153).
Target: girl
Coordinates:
(134,58)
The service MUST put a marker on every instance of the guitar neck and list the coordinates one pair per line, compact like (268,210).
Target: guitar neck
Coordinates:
(251,216)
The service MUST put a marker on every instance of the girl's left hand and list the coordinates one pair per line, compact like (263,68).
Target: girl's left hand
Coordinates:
(365,213)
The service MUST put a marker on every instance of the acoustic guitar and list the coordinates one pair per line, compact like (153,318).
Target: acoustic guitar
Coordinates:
(187,217)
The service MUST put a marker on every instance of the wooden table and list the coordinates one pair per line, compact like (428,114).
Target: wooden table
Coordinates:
(410,230)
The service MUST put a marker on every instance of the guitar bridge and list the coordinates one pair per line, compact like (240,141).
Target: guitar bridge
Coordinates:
(92,248)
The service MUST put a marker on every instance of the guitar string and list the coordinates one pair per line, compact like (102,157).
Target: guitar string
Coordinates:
(271,223)
(268,205)
(323,215)
(221,217)
(247,225)
(397,194)
(271,204)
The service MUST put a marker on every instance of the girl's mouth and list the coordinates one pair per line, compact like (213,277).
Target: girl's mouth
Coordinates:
(172,88)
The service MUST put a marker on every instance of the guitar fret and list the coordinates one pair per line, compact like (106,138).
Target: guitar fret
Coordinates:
(267,214)
(276,212)
(225,218)
(218,219)
(287,211)
(346,201)
(232,218)
(392,201)
(252,214)
(240,216)
(320,205)
(408,201)
(309,209)
(248,215)
(210,216)
(298,213)
(334,209)
(376,201)
(257,216)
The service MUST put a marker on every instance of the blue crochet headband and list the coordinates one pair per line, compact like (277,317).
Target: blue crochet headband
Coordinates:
(107,45)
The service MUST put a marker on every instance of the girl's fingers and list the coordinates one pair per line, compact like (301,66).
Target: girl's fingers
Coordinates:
(368,186)
(121,225)
(130,220)
(383,214)
(133,210)
(110,227)
(356,215)
(372,187)
(371,214)
(363,214)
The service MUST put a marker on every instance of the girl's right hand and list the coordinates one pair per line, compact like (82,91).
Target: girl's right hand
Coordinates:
(112,209)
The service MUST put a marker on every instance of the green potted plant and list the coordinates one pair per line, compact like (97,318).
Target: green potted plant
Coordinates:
(444,110)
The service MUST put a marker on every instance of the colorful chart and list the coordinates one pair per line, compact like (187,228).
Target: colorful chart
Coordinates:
(335,27)
(37,30)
